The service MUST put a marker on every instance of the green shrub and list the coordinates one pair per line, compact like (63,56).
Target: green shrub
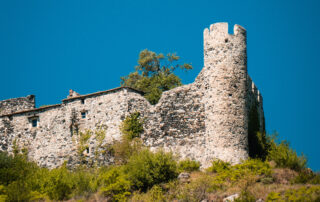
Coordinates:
(188,165)
(219,166)
(85,181)
(250,167)
(284,156)
(255,166)
(307,176)
(15,172)
(301,194)
(3,193)
(59,184)
(197,189)
(18,191)
(245,196)
(132,126)
(123,149)
(83,141)
(155,194)
(13,168)
(147,169)
(115,184)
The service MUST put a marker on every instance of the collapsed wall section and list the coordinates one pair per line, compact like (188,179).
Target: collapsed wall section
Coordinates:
(204,120)
(17,104)
(177,123)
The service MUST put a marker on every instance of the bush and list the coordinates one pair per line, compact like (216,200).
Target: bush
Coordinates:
(114,183)
(251,167)
(245,196)
(197,189)
(13,168)
(122,150)
(132,126)
(284,156)
(147,169)
(301,194)
(219,166)
(85,181)
(307,176)
(154,194)
(15,172)
(188,165)
(59,184)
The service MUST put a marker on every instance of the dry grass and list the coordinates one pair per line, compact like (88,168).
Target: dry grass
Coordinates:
(282,178)
(283,175)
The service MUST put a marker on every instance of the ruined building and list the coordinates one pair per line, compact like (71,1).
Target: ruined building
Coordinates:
(203,120)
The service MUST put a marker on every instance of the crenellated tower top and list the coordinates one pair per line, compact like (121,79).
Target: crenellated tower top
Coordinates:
(218,38)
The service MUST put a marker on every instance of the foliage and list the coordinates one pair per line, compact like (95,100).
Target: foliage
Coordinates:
(188,165)
(284,156)
(154,74)
(226,172)
(245,196)
(100,134)
(257,140)
(130,144)
(124,149)
(85,181)
(15,147)
(115,184)
(307,176)
(23,181)
(83,141)
(14,173)
(301,194)
(132,126)
(59,184)
(147,168)
(156,194)
(196,190)
(219,166)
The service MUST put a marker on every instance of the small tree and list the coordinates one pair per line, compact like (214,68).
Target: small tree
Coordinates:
(132,126)
(154,74)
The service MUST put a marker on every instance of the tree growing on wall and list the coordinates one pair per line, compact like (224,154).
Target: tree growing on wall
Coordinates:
(154,74)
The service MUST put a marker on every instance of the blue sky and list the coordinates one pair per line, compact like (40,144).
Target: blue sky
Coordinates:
(49,47)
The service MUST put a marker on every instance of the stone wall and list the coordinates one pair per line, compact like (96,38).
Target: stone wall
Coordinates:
(255,100)
(177,123)
(54,140)
(204,120)
(17,104)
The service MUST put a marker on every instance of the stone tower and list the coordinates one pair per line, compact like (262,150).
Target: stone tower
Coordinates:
(224,83)
(216,117)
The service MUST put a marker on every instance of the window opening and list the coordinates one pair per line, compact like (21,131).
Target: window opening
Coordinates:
(83,115)
(34,122)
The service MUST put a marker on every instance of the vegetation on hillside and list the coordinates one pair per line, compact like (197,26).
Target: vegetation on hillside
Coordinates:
(154,74)
(275,172)
(142,175)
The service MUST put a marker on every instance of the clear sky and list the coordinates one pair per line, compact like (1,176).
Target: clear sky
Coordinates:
(48,47)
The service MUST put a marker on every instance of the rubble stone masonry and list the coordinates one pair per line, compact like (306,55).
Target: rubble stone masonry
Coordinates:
(204,120)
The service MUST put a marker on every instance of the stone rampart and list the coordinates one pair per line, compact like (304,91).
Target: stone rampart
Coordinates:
(204,120)
(17,104)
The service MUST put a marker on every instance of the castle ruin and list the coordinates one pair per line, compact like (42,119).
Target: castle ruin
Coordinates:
(204,120)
